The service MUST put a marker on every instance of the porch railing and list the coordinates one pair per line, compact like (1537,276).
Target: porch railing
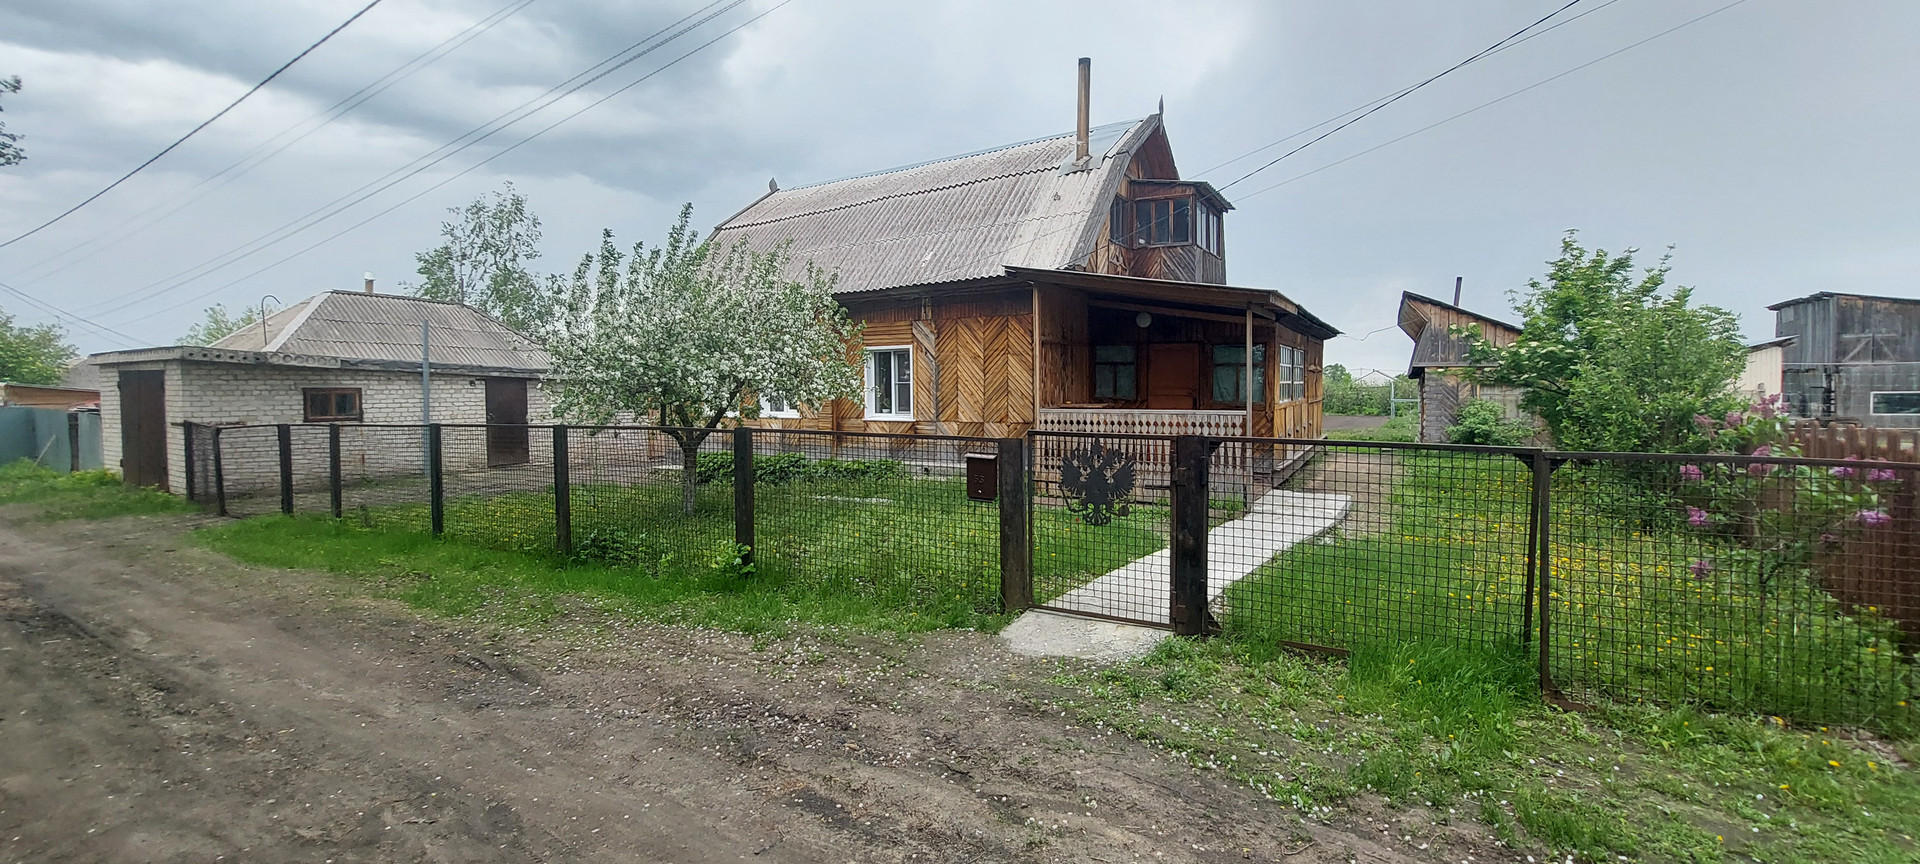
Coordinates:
(1128,421)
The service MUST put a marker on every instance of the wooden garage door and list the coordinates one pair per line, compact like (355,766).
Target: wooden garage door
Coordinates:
(143,428)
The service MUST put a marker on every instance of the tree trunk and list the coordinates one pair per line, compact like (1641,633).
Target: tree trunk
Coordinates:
(689,469)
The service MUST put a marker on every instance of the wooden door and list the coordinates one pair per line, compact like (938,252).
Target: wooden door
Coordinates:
(143,428)
(506,422)
(1173,377)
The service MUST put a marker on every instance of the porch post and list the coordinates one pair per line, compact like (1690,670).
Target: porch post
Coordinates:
(1248,390)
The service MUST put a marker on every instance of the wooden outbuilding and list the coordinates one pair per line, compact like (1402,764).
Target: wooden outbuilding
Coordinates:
(1441,337)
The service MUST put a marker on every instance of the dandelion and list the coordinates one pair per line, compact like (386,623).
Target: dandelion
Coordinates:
(1833,763)
(1873,518)
(1693,474)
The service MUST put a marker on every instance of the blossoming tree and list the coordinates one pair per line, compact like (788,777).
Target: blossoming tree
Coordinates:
(688,335)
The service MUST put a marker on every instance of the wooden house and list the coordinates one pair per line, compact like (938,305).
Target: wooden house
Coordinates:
(1440,363)
(1074,282)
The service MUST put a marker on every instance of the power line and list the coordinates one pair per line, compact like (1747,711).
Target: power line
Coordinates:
(463,172)
(1490,103)
(89,325)
(1365,105)
(253,158)
(1404,94)
(204,124)
(425,161)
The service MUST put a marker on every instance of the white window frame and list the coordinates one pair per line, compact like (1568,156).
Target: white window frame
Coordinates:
(1874,393)
(871,413)
(792,411)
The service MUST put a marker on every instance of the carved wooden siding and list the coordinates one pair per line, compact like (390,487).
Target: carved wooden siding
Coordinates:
(986,375)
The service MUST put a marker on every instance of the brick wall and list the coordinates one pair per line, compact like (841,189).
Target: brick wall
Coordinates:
(234,394)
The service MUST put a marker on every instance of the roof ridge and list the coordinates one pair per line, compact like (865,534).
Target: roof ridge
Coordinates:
(955,158)
(923,190)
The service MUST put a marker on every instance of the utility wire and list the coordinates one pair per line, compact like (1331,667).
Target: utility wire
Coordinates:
(463,172)
(254,157)
(1364,106)
(204,124)
(1404,93)
(89,325)
(1492,102)
(429,159)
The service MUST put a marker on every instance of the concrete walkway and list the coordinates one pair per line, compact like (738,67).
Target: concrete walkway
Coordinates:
(1141,590)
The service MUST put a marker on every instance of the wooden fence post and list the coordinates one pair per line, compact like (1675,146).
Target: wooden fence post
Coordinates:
(186,430)
(436,490)
(1542,554)
(285,434)
(562,493)
(1016,525)
(333,468)
(1189,503)
(743,492)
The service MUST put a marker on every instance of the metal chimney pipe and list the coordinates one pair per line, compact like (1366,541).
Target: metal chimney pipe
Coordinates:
(369,278)
(1456,288)
(1080,154)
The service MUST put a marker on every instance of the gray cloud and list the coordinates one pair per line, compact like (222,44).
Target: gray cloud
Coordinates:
(1770,142)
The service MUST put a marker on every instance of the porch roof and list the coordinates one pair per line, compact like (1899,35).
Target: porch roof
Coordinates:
(1228,297)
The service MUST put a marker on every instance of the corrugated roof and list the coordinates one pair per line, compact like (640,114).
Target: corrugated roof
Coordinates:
(963,217)
(384,328)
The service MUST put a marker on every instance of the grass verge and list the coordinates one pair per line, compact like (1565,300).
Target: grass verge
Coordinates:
(1462,733)
(81,494)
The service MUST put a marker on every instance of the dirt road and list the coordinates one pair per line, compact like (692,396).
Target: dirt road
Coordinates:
(160,703)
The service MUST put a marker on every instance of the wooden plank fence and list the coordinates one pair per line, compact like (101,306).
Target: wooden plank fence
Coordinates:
(1877,569)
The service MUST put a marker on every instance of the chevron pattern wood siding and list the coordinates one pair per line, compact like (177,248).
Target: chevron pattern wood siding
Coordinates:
(986,374)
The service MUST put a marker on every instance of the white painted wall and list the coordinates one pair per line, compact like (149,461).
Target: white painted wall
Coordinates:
(1761,377)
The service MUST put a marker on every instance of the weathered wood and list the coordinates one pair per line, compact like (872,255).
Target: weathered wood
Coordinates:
(1191,498)
(1016,534)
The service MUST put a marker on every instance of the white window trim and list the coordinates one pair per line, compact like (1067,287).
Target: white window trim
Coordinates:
(913,364)
(1873,393)
(792,412)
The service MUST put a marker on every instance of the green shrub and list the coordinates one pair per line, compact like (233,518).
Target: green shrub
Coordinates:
(620,547)
(1482,422)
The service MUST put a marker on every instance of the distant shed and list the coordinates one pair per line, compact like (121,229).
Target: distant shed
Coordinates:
(1440,361)
(1853,358)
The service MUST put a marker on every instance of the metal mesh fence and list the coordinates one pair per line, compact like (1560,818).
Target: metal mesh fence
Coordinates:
(1100,525)
(1358,544)
(1738,583)
(880,515)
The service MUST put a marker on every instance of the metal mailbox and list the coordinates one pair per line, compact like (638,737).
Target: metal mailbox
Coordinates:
(983,476)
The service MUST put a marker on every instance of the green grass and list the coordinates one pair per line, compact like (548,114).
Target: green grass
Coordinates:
(1460,732)
(1628,619)
(80,495)
(1399,428)
(891,554)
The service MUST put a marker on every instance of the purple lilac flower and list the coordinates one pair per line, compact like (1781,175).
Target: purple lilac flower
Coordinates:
(1763,450)
(1696,517)
(1880,475)
(1873,518)
(1693,474)
(1841,471)
(1703,421)
(1701,568)
(1735,418)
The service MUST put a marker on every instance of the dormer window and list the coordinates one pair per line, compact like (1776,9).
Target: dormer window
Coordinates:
(1164,222)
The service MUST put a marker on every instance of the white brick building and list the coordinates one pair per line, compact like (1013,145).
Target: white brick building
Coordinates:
(341,357)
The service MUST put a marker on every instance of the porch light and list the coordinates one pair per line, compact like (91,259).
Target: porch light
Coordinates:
(1143,319)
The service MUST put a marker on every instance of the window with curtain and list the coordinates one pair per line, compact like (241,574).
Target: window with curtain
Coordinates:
(1115,372)
(1230,371)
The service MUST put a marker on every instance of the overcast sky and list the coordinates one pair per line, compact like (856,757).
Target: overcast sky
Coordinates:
(1772,143)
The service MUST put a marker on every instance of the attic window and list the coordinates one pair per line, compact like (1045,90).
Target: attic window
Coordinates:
(1164,222)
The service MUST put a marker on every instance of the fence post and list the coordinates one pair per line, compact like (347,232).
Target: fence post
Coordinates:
(1016,526)
(1190,500)
(743,492)
(333,468)
(436,492)
(1541,551)
(219,476)
(186,432)
(285,433)
(1532,562)
(562,493)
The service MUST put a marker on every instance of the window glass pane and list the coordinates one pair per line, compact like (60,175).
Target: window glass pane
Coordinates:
(1113,354)
(1117,221)
(316,405)
(1142,222)
(1183,220)
(1228,353)
(1123,378)
(346,404)
(883,382)
(1896,403)
(1226,383)
(1162,222)
(1103,382)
